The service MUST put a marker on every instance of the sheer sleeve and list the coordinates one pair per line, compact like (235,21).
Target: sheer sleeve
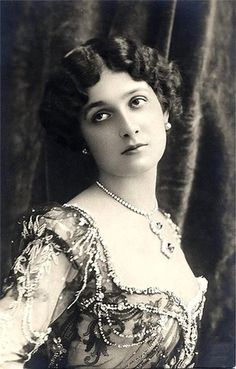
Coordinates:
(33,295)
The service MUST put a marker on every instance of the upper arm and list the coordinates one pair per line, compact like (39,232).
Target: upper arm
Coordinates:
(39,276)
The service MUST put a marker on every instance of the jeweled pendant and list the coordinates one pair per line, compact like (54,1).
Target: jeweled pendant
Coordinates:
(155,227)
(167,248)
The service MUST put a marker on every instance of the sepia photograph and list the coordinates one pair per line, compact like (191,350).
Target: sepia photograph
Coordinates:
(117,184)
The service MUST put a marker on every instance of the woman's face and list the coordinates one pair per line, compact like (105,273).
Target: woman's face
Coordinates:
(123,125)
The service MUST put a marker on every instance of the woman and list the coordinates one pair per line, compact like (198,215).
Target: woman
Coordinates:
(102,281)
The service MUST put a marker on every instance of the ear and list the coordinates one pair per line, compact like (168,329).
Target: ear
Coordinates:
(166,116)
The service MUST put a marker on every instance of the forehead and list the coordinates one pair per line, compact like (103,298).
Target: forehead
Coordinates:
(115,85)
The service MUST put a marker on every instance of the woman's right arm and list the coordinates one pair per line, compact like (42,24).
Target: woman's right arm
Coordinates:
(39,276)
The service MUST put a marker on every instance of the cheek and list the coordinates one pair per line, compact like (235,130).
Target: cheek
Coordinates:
(155,121)
(157,132)
(88,135)
(154,112)
(98,143)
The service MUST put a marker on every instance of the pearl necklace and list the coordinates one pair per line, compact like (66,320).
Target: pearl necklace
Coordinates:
(167,248)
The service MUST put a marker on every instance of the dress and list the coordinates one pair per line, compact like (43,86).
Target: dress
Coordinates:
(64,300)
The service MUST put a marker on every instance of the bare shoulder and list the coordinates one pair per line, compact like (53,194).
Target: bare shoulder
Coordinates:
(90,200)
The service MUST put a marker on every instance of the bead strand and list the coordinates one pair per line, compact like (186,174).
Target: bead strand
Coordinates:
(126,204)
(105,311)
(166,247)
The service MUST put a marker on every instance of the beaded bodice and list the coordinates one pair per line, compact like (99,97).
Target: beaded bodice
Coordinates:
(95,321)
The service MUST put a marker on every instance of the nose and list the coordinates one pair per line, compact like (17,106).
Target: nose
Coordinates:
(129,126)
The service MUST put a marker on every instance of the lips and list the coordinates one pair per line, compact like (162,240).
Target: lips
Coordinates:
(132,147)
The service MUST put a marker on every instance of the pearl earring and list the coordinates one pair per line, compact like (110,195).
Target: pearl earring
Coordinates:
(85,151)
(167,126)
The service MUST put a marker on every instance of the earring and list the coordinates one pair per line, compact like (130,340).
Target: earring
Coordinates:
(167,126)
(85,151)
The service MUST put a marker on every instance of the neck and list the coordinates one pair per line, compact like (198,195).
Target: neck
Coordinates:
(139,191)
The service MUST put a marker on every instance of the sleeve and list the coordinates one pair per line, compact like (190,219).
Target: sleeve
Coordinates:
(38,277)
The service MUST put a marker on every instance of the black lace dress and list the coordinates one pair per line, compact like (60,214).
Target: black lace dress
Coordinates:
(64,302)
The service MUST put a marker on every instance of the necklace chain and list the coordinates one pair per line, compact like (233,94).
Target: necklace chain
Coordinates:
(126,204)
(167,248)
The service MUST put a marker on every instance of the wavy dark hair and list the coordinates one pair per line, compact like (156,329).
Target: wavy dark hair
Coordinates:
(66,91)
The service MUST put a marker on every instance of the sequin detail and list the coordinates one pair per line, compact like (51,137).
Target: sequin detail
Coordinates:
(146,322)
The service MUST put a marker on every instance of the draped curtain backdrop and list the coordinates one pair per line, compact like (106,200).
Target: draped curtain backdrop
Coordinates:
(195,177)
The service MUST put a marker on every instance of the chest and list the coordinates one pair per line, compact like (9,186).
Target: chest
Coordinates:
(135,253)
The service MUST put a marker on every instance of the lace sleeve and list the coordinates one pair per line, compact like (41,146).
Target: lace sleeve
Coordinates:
(32,292)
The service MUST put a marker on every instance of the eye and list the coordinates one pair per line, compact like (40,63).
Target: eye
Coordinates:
(100,117)
(138,102)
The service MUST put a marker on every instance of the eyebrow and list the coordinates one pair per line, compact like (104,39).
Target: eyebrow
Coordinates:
(93,105)
(102,103)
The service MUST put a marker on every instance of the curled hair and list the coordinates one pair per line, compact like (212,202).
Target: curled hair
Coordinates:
(66,91)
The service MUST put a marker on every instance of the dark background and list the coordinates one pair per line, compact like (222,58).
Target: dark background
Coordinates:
(196,175)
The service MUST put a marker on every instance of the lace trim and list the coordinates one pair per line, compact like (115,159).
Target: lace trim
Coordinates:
(40,252)
(193,303)
(187,319)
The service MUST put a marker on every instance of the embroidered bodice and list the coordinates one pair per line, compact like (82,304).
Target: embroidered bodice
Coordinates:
(63,295)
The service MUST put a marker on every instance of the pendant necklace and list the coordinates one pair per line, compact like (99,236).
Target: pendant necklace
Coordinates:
(167,248)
